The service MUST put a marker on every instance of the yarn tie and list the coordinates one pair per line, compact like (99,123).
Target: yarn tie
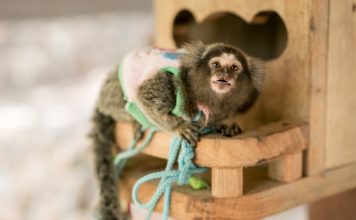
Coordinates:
(186,168)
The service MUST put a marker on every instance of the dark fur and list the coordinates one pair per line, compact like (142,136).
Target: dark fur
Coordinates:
(109,109)
(103,138)
(157,96)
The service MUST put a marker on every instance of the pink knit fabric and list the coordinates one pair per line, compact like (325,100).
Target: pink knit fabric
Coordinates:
(142,64)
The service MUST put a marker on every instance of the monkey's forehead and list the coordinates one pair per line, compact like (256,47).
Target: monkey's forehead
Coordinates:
(225,56)
(226,53)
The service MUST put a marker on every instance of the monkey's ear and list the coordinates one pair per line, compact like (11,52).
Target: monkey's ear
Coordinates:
(257,72)
(192,53)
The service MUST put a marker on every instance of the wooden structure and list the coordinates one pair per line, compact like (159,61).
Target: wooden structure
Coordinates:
(300,142)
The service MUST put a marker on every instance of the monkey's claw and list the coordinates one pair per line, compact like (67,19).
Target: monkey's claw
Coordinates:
(229,131)
(190,132)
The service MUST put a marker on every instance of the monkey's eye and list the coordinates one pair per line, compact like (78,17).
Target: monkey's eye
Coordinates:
(235,68)
(215,64)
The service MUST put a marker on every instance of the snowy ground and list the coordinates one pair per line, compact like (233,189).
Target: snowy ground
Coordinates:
(50,73)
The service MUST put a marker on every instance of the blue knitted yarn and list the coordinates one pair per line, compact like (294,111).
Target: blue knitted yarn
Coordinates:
(186,168)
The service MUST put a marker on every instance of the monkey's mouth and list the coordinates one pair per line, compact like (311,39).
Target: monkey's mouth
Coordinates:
(222,82)
(221,85)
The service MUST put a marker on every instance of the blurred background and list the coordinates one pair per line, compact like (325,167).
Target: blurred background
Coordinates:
(53,58)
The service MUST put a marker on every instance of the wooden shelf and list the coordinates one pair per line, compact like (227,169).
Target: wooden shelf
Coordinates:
(278,144)
(262,196)
(247,149)
(257,193)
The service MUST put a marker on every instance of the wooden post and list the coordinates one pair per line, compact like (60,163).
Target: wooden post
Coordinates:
(226,182)
(287,168)
(318,50)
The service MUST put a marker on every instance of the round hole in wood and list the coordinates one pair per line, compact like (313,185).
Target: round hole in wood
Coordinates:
(264,37)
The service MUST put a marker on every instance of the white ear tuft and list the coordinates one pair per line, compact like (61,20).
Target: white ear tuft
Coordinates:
(257,71)
(193,52)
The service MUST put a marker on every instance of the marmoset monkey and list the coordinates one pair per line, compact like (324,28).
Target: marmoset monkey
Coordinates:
(216,79)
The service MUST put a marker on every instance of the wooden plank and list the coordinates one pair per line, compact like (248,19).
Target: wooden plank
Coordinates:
(226,182)
(268,199)
(287,168)
(341,101)
(246,149)
(315,162)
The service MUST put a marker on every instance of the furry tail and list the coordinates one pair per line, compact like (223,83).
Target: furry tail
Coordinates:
(102,135)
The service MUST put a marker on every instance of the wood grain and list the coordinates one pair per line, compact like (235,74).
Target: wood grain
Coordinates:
(315,162)
(286,168)
(263,198)
(341,100)
(247,149)
(226,182)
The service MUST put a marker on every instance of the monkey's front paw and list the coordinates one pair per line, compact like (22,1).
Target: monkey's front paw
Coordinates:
(190,132)
(229,131)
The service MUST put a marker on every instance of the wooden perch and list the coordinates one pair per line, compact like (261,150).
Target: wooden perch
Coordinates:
(248,149)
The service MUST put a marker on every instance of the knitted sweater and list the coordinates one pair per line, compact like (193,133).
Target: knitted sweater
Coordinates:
(140,65)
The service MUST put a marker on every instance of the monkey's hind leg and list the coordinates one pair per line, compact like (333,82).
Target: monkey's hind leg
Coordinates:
(102,135)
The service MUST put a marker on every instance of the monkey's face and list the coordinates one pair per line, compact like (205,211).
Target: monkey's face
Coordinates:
(225,70)
(220,69)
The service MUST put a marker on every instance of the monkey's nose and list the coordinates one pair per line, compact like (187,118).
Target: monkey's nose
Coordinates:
(225,74)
